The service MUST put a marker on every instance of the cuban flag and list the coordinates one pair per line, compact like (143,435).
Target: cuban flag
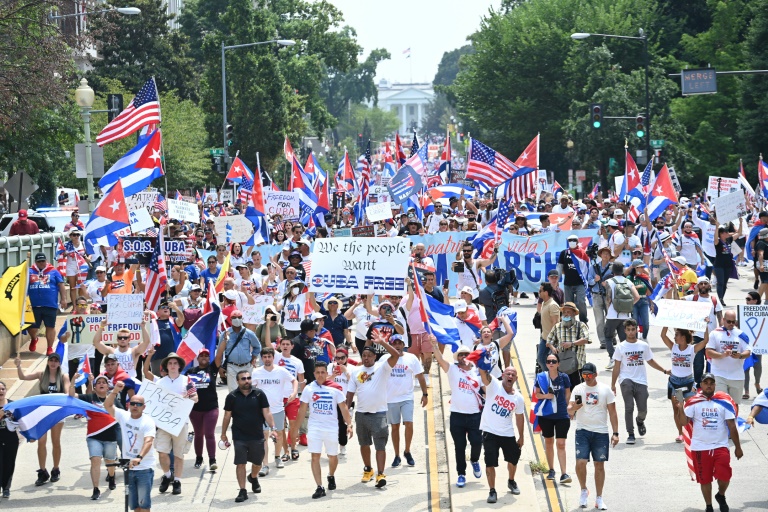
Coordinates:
(472,321)
(136,169)
(762,401)
(511,316)
(581,262)
(62,349)
(483,241)
(122,376)
(437,318)
(529,159)
(400,157)
(557,189)
(197,195)
(302,184)
(661,195)
(36,415)
(444,193)
(201,335)
(178,196)
(413,202)
(321,186)
(595,191)
(108,221)
(762,176)
(83,371)
(745,183)
(631,177)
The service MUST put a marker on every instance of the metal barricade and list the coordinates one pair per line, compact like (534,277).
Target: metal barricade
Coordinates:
(14,249)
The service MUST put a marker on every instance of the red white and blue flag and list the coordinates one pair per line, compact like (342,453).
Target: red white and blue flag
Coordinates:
(595,191)
(631,177)
(488,166)
(399,151)
(557,189)
(529,159)
(36,415)
(661,195)
(157,277)
(137,168)
(108,221)
(762,176)
(143,109)
(202,335)
(745,183)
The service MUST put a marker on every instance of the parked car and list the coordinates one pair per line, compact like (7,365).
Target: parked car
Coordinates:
(49,220)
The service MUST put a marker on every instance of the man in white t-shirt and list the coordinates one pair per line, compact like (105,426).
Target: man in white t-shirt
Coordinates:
(617,243)
(275,382)
(295,367)
(631,356)
(563,206)
(324,400)
(614,319)
(94,287)
(704,289)
(712,423)
(138,434)
(727,348)
(400,397)
(369,381)
(592,404)
(499,432)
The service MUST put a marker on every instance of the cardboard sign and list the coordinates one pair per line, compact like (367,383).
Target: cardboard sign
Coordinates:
(283,203)
(183,211)
(226,195)
(730,207)
(682,314)
(719,186)
(125,308)
(242,228)
(141,220)
(363,231)
(169,411)
(753,320)
(404,184)
(254,313)
(360,265)
(379,212)
(144,199)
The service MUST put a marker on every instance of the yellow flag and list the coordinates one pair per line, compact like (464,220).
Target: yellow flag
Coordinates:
(13,287)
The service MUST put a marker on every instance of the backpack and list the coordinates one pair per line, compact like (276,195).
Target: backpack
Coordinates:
(623,301)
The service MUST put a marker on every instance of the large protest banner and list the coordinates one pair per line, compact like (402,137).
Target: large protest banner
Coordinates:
(168,410)
(283,203)
(82,328)
(753,320)
(242,228)
(360,265)
(682,314)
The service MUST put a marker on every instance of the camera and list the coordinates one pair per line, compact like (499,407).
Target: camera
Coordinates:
(264,272)
(592,251)
(458,267)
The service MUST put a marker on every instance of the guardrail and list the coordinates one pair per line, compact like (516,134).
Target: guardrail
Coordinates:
(14,249)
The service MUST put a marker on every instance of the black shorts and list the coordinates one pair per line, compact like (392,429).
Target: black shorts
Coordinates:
(249,451)
(508,445)
(763,279)
(557,428)
(45,316)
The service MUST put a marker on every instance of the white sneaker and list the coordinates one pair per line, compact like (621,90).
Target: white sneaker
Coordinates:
(600,504)
(279,463)
(584,498)
(610,365)
(342,451)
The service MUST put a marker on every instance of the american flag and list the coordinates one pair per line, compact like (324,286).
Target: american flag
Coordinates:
(144,109)
(518,189)
(645,179)
(488,166)
(246,190)
(365,183)
(160,203)
(157,278)
(415,145)
(501,219)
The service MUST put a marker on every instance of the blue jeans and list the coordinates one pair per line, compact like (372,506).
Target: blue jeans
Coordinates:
(722,275)
(463,427)
(641,314)
(139,488)
(594,443)
(698,361)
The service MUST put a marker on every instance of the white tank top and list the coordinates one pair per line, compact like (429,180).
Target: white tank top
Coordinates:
(125,360)
(682,361)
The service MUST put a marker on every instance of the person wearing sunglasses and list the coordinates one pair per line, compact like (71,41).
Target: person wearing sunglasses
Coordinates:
(126,356)
(727,348)
(138,447)
(553,391)
(592,406)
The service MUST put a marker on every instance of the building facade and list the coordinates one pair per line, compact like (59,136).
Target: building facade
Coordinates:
(408,101)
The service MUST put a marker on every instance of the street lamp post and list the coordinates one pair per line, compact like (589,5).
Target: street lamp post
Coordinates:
(84,98)
(281,42)
(644,38)
(130,11)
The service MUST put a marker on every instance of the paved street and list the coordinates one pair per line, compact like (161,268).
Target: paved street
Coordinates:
(651,474)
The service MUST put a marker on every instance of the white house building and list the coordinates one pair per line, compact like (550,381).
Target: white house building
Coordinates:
(408,101)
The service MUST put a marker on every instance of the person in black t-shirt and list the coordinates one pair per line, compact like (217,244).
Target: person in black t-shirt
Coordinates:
(205,413)
(385,326)
(102,442)
(573,284)
(304,348)
(247,407)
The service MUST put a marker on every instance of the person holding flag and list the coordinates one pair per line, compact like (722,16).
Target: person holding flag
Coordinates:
(46,284)
(466,407)
(102,432)
(51,380)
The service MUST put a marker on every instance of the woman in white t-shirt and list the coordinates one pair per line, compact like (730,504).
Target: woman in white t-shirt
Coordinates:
(495,346)
(236,256)
(683,353)
(292,308)
(364,314)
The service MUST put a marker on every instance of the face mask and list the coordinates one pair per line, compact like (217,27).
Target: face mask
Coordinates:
(237,322)
(567,319)
(294,292)
(573,244)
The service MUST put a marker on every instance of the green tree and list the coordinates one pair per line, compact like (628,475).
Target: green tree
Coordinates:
(753,121)
(381,124)
(134,48)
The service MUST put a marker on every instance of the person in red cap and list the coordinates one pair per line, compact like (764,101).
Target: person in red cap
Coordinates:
(23,225)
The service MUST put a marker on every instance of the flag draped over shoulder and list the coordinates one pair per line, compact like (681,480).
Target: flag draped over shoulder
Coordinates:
(721,398)
(14,302)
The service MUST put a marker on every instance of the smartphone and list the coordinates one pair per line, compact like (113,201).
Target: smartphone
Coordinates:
(387,310)
(578,399)
(679,394)
(446,283)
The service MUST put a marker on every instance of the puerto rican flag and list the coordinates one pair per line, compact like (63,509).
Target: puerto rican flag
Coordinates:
(201,335)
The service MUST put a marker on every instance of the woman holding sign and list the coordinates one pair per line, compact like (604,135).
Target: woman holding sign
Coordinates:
(681,380)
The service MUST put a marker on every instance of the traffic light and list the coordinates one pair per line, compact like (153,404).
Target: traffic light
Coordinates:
(114,105)
(230,134)
(360,142)
(596,115)
(640,125)
(215,164)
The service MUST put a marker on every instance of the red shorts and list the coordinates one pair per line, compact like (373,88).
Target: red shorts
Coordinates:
(420,344)
(292,408)
(712,464)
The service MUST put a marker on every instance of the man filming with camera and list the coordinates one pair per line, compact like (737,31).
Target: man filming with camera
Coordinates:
(469,268)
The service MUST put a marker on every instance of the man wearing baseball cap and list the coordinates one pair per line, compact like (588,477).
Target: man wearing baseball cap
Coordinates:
(46,284)
(713,421)
(23,225)
(591,406)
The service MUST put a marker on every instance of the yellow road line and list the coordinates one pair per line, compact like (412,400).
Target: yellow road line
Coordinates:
(549,485)
(434,489)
